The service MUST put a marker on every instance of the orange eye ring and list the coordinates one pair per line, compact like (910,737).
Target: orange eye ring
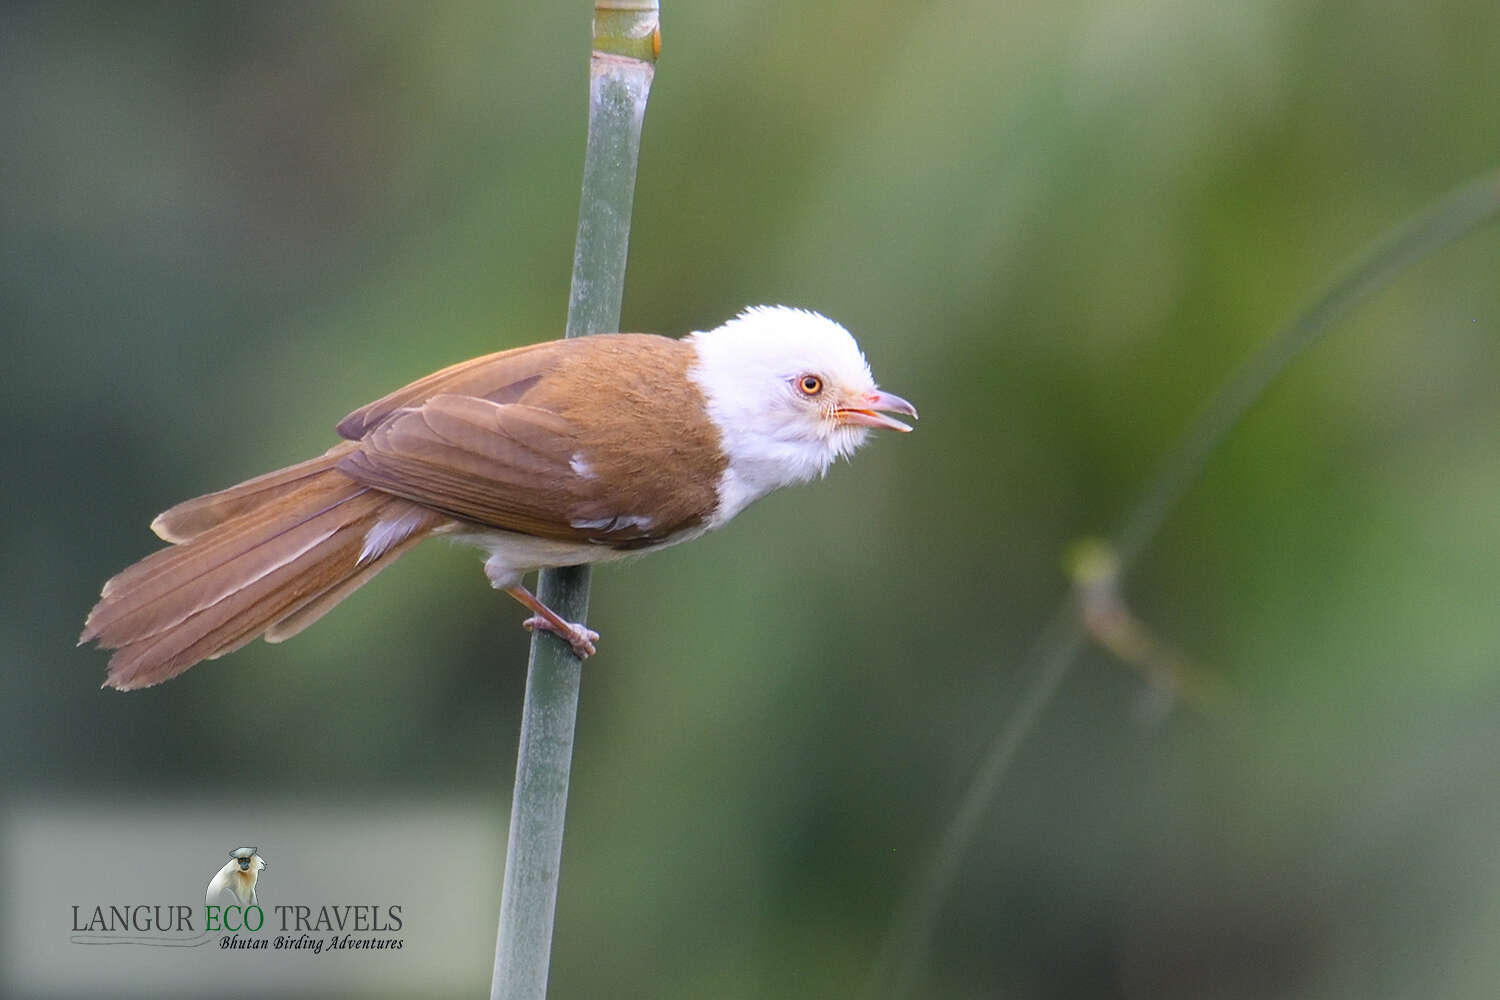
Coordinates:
(810,385)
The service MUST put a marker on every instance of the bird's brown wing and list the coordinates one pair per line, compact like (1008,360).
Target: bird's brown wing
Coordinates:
(506,466)
(503,377)
(605,442)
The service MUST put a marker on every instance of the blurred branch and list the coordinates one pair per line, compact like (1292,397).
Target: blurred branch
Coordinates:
(627,39)
(1439,224)
(1094,566)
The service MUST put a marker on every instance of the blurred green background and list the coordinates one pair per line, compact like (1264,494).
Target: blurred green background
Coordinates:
(1055,227)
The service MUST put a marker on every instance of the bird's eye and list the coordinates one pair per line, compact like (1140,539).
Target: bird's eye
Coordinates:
(810,385)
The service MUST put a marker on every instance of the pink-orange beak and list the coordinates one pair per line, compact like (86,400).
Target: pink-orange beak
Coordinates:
(865,411)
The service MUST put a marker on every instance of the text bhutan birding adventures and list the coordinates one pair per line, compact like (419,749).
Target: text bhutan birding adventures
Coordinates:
(558,454)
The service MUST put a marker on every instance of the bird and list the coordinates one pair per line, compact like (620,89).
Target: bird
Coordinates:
(567,452)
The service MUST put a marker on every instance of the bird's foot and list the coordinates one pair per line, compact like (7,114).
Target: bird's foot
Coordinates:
(580,638)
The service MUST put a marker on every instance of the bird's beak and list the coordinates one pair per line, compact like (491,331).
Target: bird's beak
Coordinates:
(865,411)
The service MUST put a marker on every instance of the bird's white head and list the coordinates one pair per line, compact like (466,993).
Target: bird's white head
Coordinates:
(790,392)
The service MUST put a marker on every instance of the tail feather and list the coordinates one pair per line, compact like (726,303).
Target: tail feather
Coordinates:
(207,580)
(168,586)
(318,607)
(241,615)
(274,563)
(248,505)
(192,518)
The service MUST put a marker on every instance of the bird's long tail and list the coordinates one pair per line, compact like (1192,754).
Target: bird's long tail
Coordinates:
(267,557)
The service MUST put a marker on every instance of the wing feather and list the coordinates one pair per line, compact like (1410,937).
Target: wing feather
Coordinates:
(503,377)
(502,466)
(601,439)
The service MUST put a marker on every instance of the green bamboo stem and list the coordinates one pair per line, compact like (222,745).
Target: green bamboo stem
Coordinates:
(626,42)
(1437,225)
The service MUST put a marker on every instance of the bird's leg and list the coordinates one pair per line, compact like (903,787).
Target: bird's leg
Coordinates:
(574,634)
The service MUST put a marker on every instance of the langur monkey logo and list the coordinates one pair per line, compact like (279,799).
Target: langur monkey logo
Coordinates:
(234,885)
(232,889)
